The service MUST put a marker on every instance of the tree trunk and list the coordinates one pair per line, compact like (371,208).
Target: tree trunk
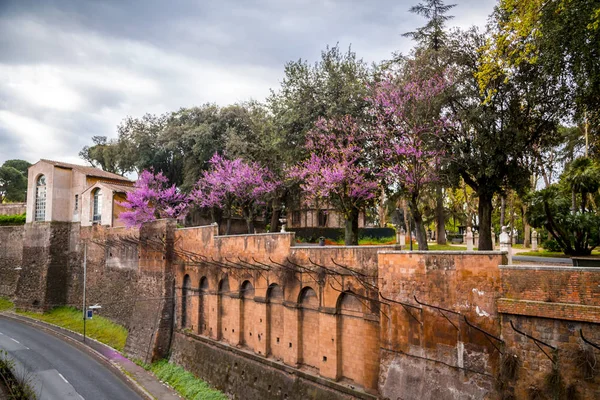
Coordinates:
(351,233)
(228,229)
(249,215)
(381,210)
(440,217)
(250,223)
(485,222)
(276,206)
(420,232)
(502,211)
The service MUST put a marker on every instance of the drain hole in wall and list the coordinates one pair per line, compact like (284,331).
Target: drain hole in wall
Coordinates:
(250,333)
(277,340)
(290,345)
(233,331)
(324,358)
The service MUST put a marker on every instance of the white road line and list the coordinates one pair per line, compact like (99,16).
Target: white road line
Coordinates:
(63,378)
(80,396)
(15,340)
(3,333)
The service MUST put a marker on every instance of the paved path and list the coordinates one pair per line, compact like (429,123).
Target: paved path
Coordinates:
(57,369)
(543,260)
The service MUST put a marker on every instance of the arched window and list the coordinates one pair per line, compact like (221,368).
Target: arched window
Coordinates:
(40,199)
(97,206)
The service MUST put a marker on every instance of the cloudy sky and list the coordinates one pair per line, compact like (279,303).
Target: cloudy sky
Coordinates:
(72,69)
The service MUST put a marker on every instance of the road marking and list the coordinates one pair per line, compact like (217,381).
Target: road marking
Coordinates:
(15,340)
(80,396)
(63,378)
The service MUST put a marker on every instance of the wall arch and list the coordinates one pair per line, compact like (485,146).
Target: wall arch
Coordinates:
(308,302)
(186,301)
(275,322)
(203,307)
(352,325)
(247,312)
(224,310)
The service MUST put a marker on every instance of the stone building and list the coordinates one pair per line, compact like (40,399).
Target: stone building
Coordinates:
(319,216)
(61,192)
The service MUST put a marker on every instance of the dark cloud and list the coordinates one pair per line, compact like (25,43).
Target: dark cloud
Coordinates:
(75,68)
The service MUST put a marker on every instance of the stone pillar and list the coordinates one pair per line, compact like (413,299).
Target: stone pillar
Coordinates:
(401,237)
(469,239)
(476,240)
(290,333)
(493,239)
(505,244)
(328,344)
(534,242)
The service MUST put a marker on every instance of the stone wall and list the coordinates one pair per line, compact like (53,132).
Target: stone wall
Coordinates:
(554,305)
(11,256)
(13,208)
(258,317)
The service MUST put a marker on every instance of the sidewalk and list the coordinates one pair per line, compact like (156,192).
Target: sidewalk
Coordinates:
(144,382)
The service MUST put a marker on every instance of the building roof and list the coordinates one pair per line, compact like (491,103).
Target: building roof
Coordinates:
(115,187)
(88,171)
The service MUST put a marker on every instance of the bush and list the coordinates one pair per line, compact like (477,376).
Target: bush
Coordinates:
(17,219)
(551,245)
(312,235)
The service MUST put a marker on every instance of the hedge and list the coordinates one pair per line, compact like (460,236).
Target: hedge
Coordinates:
(18,219)
(313,234)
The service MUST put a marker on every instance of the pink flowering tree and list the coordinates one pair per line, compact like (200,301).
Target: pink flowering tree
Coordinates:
(153,198)
(235,185)
(338,171)
(407,128)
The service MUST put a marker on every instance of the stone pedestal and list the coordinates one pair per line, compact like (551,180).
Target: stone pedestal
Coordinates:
(505,244)
(469,239)
(476,240)
(534,240)
(493,239)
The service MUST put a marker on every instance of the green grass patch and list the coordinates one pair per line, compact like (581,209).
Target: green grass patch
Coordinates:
(99,328)
(5,304)
(438,247)
(185,383)
(18,219)
(557,254)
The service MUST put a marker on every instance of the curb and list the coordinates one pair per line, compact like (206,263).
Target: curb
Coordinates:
(56,331)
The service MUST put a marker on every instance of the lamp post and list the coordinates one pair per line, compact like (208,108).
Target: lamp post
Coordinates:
(84,284)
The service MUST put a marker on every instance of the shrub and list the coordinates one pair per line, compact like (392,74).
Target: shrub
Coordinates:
(17,219)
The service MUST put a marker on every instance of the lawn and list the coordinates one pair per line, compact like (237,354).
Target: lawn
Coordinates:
(557,254)
(5,304)
(185,383)
(99,328)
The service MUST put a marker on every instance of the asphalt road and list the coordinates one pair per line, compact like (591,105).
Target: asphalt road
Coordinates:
(58,369)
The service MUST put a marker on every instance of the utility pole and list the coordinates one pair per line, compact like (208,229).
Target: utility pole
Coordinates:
(84,283)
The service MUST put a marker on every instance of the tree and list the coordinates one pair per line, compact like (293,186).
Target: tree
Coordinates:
(565,211)
(407,125)
(104,154)
(153,198)
(431,40)
(333,87)
(433,34)
(498,127)
(338,171)
(230,184)
(563,38)
(13,181)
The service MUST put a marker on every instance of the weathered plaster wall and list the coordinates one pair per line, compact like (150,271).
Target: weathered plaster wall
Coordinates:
(427,353)
(554,305)
(11,257)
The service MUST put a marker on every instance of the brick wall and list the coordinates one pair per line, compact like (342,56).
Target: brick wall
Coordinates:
(554,305)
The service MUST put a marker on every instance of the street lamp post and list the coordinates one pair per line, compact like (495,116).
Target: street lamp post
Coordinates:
(84,284)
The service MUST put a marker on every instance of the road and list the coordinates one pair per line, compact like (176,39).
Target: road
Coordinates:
(58,369)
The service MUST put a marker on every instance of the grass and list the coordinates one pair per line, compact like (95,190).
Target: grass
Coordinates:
(557,254)
(18,219)
(99,328)
(5,304)
(184,382)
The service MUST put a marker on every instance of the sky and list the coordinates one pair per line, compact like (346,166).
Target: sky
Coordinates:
(73,69)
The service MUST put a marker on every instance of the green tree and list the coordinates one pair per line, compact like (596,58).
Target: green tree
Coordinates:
(13,181)
(563,38)
(433,34)
(104,154)
(567,209)
(498,128)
